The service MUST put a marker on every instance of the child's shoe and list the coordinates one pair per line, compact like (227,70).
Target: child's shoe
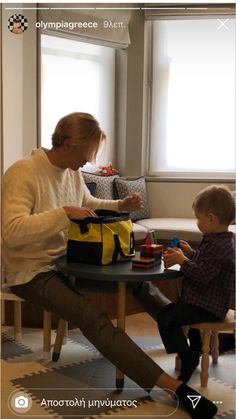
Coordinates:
(189,361)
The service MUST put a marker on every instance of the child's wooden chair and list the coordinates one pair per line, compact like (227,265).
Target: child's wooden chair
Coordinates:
(210,342)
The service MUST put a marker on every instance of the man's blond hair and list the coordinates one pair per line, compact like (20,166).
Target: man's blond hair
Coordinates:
(79,128)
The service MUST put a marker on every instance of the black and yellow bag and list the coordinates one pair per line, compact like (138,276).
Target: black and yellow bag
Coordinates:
(103,240)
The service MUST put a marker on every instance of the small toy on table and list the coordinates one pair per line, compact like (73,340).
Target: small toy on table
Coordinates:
(143,262)
(150,249)
(151,237)
(150,253)
(175,242)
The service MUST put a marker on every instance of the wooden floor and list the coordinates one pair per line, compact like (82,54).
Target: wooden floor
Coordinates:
(141,324)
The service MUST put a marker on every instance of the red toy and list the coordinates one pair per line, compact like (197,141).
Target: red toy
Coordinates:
(107,170)
(152,251)
(143,263)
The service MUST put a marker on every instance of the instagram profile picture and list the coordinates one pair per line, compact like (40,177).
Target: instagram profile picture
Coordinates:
(20,402)
(17,24)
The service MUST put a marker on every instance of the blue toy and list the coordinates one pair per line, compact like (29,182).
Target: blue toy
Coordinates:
(174,242)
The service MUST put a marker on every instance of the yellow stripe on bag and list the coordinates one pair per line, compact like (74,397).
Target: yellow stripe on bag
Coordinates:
(124,230)
(108,244)
(92,235)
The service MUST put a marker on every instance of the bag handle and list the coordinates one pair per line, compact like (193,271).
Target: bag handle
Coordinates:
(104,216)
(118,249)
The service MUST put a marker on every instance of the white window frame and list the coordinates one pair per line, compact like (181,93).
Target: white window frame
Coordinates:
(89,166)
(147,115)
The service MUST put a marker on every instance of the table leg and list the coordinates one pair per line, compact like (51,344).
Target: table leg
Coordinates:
(121,323)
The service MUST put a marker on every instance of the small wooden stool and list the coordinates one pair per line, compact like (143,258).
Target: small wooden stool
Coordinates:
(210,340)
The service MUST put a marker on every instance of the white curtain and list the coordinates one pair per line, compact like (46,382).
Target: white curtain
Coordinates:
(193,97)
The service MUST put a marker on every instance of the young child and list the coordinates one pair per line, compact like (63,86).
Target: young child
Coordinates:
(208,284)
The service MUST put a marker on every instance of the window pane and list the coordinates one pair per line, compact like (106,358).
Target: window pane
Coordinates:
(193,97)
(77,77)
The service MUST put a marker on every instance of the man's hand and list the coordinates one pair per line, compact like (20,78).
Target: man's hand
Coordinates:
(78,213)
(130,203)
(173,256)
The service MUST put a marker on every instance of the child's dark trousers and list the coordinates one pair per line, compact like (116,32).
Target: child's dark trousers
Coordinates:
(171,319)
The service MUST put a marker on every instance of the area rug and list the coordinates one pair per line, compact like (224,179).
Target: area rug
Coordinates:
(82,383)
(11,349)
(91,384)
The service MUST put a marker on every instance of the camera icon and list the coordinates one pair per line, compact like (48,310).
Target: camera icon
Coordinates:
(21,402)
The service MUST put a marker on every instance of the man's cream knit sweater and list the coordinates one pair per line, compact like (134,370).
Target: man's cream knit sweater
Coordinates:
(35,226)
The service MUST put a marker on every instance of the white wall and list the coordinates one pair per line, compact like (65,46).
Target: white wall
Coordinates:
(19,85)
(174,199)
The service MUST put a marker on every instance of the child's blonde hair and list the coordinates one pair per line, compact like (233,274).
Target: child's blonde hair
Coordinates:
(218,200)
(79,128)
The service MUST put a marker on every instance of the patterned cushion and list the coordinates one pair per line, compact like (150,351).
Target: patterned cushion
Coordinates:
(104,184)
(123,188)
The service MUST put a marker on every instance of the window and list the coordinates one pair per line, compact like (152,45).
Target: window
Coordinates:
(193,98)
(77,77)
